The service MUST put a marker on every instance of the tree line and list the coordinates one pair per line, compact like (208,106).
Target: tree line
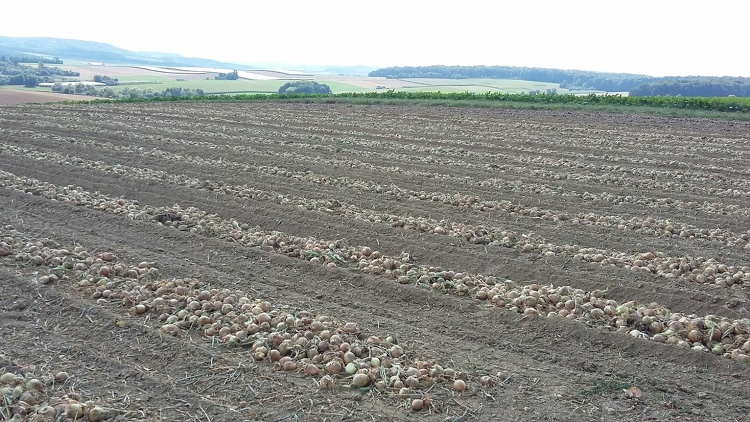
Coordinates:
(18,74)
(30,59)
(106,80)
(304,87)
(231,76)
(126,93)
(694,86)
(634,84)
(570,79)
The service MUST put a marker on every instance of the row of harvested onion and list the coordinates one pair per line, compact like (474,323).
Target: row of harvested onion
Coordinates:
(719,335)
(694,269)
(336,353)
(646,226)
(26,397)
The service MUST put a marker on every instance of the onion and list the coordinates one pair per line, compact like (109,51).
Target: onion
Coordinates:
(73,410)
(97,414)
(417,405)
(34,384)
(327,382)
(349,357)
(311,369)
(675,325)
(360,380)
(170,329)
(334,367)
(316,326)
(716,334)
(396,351)
(695,336)
(597,313)
(459,385)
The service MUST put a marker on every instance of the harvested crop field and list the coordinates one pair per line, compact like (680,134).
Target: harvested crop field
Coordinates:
(334,262)
(10,96)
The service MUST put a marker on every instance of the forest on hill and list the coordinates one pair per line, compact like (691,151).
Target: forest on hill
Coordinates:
(634,84)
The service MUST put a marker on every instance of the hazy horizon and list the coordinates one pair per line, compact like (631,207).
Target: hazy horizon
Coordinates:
(664,38)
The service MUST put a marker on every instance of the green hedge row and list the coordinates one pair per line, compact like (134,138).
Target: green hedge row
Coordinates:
(722,104)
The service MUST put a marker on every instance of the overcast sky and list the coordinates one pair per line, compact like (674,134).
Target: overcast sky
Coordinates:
(655,37)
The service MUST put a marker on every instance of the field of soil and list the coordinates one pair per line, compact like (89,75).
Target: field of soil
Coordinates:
(87,72)
(20,96)
(334,262)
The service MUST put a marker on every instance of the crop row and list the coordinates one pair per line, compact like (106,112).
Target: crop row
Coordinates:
(270,121)
(718,335)
(25,395)
(646,226)
(698,269)
(25,392)
(499,180)
(336,353)
(536,164)
(494,182)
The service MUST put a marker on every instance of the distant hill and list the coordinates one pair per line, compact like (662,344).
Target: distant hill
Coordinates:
(349,70)
(98,52)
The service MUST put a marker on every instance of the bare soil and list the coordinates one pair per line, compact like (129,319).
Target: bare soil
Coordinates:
(88,72)
(16,96)
(539,368)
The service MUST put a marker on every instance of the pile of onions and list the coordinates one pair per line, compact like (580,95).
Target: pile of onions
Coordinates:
(294,340)
(28,397)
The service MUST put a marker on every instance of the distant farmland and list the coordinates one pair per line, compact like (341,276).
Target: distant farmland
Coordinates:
(158,79)
(480,85)
(22,96)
